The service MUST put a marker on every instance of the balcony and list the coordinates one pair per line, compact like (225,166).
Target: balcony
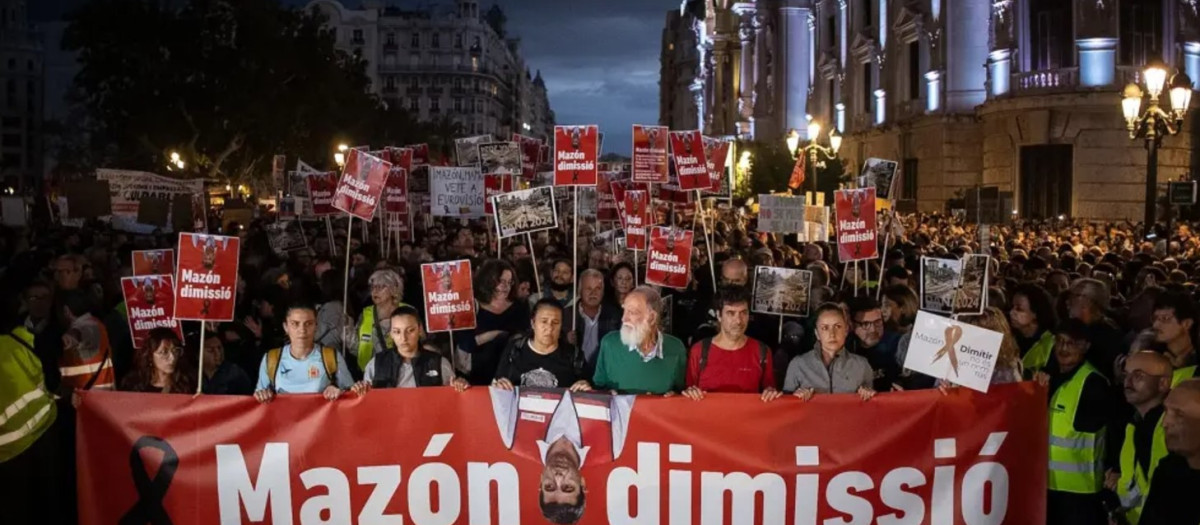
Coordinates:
(390,47)
(1047,81)
(389,89)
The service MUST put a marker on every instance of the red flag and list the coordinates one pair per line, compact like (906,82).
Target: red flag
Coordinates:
(798,171)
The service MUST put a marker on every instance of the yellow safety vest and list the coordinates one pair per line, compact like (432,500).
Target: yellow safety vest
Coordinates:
(1182,374)
(1134,485)
(26,408)
(1075,456)
(366,334)
(1038,355)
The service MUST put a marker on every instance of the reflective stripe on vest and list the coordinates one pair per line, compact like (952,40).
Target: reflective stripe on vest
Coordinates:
(366,337)
(1134,484)
(1039,354)
(27,408)
(77,372)
(1182,374)
(1075,457)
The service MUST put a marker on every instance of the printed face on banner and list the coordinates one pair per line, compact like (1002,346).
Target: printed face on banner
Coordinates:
(456,192)
(691,168)
(526,211)
(153,262)
(395,193)
(449,298)
(207,277)
(401,158)
(782,291)
(361,185)
(606,205)
(321,187)
(669,259)
(576,152)
(856,230)
(637,218)
(651,154)
(531,152)
(715,154)
(420,154)
(958,352)
(495,185)
(150,303)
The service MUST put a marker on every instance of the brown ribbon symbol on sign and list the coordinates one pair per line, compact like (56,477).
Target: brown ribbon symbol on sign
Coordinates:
(953,334)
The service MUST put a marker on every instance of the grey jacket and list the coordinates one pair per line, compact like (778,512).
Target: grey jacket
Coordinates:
(845,374)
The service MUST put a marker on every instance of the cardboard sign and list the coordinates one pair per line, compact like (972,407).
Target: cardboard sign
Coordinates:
(716,154)
(321,187)
(494,185)
(780,214)
(525,211)
(878,174)
(971,296)
(856,231)
(466,150)
(636,218)
(576,152)
(149,304)
(691,167)
(449,297)
(957,352)
(531,151)
(500,158)
(286,236)
(153,262)
(650,154)
(1181,193)
(207,277)
(456,192)
(939,283)
(670,257)
(361,185)
(816,223)
(781,291)
(395,192)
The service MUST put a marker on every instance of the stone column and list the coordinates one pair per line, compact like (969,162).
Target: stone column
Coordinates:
(795,63)
(1191,61)
(746,85)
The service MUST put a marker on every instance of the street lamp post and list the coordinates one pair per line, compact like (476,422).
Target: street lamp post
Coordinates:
(1155,123)
(812,149)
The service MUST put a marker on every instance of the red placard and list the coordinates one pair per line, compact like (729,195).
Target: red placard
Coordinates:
(650,154)
(207,277)
(576,152)
(606,203)
(959,459)
(531,152)
(716,153)
(153,262)
(320,192)
(361,184)
(449,297)
(687,150)
(856,232)
(149,304)
(395,193)
(669,260)
(200,212)
(637,218)
(401,158)
(494,185)
(420,155)
(796,181)
(400,224)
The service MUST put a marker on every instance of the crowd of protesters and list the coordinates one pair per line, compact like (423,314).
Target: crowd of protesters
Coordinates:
(1106,320)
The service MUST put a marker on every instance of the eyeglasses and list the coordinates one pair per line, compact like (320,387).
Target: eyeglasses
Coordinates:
(173,352)
(1139,376)
(869,324)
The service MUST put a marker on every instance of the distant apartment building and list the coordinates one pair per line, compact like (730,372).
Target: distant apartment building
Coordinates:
(21,96)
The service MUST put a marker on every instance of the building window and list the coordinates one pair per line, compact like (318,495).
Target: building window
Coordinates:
(1141,31)
(11,140)
(29,65)
(358,37)
(832,101)
(475,64)
(435,41)
(1052,47)
(414,104)
(865,12)
(458,43)
(415,43)
(458,103)
(435,104)
(389,83)
(414,82)
(914,70)
(908,176)
(390,39)
(457,83)
(867,92)
(830,32)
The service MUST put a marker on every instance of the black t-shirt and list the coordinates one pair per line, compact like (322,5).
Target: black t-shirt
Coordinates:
(1172,496)
(524,367)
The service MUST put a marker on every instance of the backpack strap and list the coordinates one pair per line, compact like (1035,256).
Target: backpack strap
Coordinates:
(273,357)
(329,358)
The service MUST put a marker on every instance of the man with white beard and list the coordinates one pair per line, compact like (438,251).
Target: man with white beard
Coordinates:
(641,359)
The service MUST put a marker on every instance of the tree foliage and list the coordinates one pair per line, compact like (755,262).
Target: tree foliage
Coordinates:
(771,168)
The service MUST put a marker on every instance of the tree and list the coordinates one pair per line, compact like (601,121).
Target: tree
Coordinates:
(771,168)
(226,83)
(441,133)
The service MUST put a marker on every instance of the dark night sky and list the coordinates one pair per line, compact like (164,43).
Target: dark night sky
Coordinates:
(599,58)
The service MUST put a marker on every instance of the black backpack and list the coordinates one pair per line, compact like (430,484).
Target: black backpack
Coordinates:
(706,343)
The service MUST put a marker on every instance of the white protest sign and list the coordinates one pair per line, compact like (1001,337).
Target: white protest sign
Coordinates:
(780,214)
(957,352)
(456,192)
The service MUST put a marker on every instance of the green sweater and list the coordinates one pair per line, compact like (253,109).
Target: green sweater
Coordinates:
(618,368)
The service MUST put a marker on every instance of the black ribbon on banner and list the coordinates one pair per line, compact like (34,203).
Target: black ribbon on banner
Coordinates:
(149,507)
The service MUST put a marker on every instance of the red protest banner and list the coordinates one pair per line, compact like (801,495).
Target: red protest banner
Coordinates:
(400,158)
(401,225)
(606,203)
(856,233)
(798,172)
(361,184)
(153,262)
(716,153)
(669,260)
(149,303)
(687,150)
(531,151)
(320,192)
(449,297)
(420,154)
(636,218)
(395,193)
(650,154)
(207,277)
(576,150)
(494,185)
(959,459)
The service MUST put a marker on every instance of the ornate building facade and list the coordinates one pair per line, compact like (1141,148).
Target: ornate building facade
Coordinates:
(21,81)
(444,61)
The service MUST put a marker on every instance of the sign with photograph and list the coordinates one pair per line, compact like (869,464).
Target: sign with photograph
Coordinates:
(650,154)
(525,211)
(576,152)
(449,297)
(456,192)
(286,236)
(971,297)
(669,259)
(879,174)
(637,218)
(500,158)
(153,262)
(781,291)
(207,277)
(939,283)
(494,185)
(780,214)
(957,352)
(361,185)
(466,150)
(856,231)
(531,150)
(691,168)
(149,304)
